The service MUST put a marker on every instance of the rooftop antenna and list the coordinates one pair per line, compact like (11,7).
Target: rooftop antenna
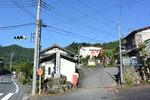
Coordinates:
(130,30)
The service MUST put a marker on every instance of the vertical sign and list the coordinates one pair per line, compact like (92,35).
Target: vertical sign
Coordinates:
(57,74)
(32,37)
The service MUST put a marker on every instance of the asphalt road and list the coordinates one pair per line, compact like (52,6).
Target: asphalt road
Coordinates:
(98,77)
(133,93)
(9,89)
(95,84)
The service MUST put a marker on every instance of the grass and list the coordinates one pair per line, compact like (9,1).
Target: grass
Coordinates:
(91,66)
(135,84)
(79,70)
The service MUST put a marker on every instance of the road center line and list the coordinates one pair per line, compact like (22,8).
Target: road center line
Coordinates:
(7,96)
(15,84)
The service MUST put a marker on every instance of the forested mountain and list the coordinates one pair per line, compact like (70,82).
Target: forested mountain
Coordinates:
(23,54)
(20,54)
(110,45)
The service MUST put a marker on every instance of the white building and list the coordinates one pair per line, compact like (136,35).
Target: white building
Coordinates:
(58,61)
(134,39)
(90,50)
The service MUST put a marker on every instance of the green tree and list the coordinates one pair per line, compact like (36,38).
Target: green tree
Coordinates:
(26,68)
(108,55)
(144,52)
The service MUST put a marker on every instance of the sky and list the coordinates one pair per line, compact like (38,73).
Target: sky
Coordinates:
(91,21)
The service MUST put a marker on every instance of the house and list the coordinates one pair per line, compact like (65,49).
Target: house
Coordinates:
(134,39)
(123,50)
(117,53)
(1,65)
(58,61)
(90,51)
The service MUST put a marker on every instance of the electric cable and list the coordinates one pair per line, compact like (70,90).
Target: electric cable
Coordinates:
(71,33)
(24,9)
(91,17)
(15,26)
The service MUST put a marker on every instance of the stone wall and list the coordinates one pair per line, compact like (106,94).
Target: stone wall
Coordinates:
(136,74)
(57,85)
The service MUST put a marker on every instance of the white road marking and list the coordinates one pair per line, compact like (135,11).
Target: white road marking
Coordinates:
(1,94)
(7,96)
(16,85)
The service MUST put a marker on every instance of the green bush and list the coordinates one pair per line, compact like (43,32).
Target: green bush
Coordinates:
(85,59)
(79,72)
(127,80)
(23,80)
(91,66)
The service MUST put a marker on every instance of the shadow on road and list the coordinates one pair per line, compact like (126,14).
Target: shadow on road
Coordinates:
(6,82)
(117,77)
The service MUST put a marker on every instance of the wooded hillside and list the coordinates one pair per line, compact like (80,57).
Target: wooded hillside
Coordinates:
(23,54)
(110,45)
(20,54)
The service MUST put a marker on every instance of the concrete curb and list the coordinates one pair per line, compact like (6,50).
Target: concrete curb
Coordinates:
(27,94)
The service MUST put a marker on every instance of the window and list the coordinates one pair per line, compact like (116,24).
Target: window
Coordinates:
(49,70)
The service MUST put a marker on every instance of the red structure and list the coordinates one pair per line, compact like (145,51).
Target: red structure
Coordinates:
(74,79)
(96,52)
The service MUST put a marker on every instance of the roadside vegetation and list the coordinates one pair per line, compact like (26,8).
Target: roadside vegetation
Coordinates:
(74,46)
(91,66)
(108,57)
(135,84)
(24,70)
(85,59)
(79,72)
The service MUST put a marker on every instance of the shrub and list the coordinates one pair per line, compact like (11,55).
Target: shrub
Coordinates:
(79,72)
(91,66)
(23,80)
(127,80)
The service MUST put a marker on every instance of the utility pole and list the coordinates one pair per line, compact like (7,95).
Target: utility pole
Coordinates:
(120,53)
(36,49)
(12,55)
(78,54)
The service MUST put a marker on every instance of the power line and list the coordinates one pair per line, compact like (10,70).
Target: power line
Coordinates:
(91,17)
(109,8)
(63,33)
(61,20)
(109,33)
(71,19)
(46,6)
(24,9)
(120,9)
(15,26)
(6,4)
(95,11)
(71,33)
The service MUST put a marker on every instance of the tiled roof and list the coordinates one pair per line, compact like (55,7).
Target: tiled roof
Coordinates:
(138,30)
(56,46)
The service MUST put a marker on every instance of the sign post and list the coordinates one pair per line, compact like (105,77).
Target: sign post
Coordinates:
(40,72)
(57,74)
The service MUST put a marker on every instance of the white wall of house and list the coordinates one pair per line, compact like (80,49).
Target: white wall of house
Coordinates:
(145,35)
(85,51)
(148,48)
(68,69)
(49,69)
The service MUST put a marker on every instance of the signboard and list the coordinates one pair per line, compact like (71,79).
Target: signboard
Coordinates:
(57,69)
(57,62)
(40,71)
